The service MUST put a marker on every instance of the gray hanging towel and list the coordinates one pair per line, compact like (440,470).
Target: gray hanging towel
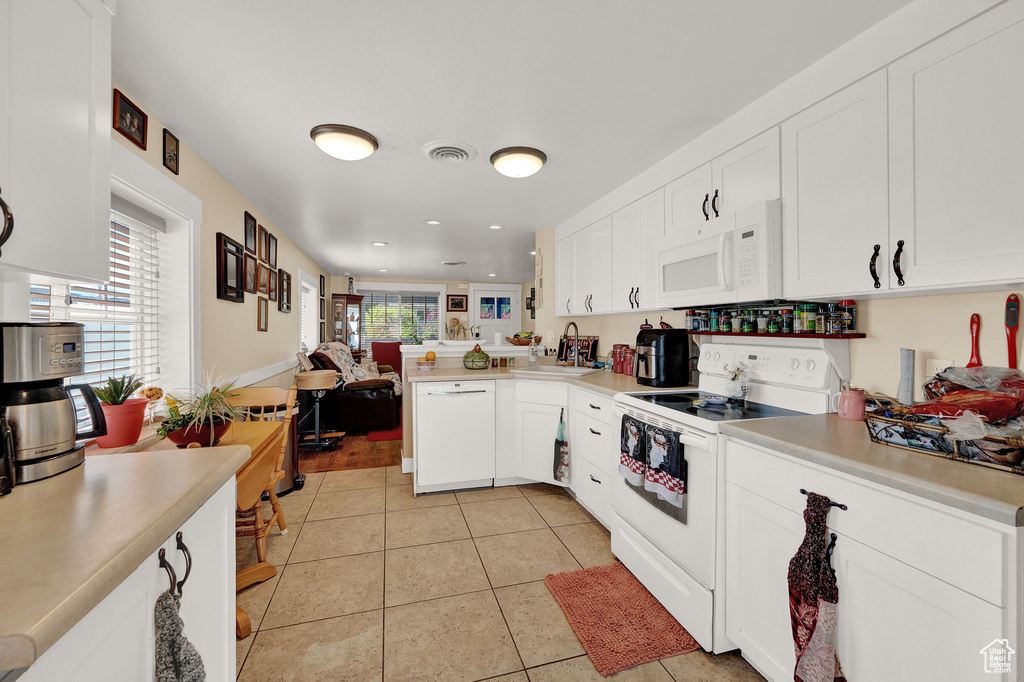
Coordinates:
(176,658)
(560,467)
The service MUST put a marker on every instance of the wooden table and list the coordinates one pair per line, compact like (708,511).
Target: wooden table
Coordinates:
(256,435)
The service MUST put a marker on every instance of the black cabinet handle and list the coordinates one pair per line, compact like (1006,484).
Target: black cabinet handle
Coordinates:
(714,203)
(871,266)
(594,479)
(596,433)
(188,559)
(631,297)
(636,297)
(704,207)
(594,407)
(8,222)
(896,262)
(567,305)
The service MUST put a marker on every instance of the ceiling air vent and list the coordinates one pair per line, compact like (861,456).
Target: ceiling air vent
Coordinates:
(449,151)
(453,262)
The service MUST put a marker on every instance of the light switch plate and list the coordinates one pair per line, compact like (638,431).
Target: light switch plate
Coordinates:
(933,366)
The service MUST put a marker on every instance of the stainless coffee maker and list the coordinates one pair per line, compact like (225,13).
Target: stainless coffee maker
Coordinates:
(38,424)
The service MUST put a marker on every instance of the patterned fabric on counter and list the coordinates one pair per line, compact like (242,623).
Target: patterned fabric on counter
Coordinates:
(813,595)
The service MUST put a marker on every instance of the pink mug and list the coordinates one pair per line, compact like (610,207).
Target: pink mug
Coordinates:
(851,404)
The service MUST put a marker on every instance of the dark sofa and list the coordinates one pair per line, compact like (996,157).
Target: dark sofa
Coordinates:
(353,407)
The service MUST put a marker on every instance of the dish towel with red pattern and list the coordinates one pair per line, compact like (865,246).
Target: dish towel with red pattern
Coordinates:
(813,595)
(652,458)
(633,450)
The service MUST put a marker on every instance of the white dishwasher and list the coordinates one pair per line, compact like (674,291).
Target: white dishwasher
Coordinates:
(453,435)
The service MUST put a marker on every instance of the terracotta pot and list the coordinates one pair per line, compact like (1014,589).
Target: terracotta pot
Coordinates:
(184,437)
(124,423)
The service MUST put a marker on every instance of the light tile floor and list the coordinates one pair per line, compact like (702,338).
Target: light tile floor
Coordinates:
(375,584)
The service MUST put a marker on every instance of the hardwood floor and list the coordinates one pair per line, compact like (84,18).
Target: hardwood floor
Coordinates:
(356,452)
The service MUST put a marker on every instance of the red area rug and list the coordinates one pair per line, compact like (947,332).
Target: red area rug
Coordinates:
(619,623)
(392,434)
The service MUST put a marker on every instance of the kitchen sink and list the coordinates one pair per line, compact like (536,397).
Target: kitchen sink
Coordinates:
(556,370)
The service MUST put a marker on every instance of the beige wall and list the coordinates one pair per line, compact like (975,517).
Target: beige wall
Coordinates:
(935,326)
(230,343)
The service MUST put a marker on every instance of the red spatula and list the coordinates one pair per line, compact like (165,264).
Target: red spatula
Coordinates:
(975,360)
(1012,320)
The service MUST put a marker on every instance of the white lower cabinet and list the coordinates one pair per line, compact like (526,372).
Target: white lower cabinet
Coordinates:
(539,408)
(116,640)
(593,489)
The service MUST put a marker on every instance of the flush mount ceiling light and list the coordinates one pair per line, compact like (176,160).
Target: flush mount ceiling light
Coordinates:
(518,162)
(344,142)
(382,270)
(494,227)
(379,243)
(533,253)
(433,222)
(492,275)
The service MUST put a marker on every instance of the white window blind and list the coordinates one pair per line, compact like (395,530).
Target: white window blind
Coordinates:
(395,316)
(122,316)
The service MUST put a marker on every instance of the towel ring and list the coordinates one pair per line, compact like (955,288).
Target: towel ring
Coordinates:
(188,561)
(164,564)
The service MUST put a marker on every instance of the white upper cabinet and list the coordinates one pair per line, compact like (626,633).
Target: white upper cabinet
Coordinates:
(956,154)
(634,230)
(563,276)
(590,275)
(688,205)
(582,270)
(650,213)
(835,184)
(55,125)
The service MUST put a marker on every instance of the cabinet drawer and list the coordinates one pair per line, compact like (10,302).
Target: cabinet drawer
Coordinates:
(542,392)
(597,442)
(962,550)
(594,405)
(593,489)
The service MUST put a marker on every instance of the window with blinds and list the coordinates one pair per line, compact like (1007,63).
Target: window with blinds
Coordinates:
(122,316)
(394,316)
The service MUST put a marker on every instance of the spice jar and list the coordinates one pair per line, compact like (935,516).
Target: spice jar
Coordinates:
(773,323)
(808,316)
(737,321)
(689,320)
(821,320)
(725,322)
(714,321)
(749,322)
(762,322)
(833,320)
(786,321)
(848,313)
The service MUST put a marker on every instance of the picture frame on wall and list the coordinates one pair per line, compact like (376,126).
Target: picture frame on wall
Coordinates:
(262,313)
(129,119)
(251,266)
(170,151)
(323,309)
(230,269)
(323,332)
(250,232)
(323,287)
(272,250)
(458,303)
(272,294)
(262,243)
(262,279)
(284,291)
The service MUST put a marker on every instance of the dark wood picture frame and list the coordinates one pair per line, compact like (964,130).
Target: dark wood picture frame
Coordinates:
(272,250)
(323,309)
(171,144)
(250,232)
(262,243)
(251,266)
(272,293)
(284,291)
(262,279)
(323,287)
(262,314)
(458,303)
(230,269)
(129,119)
(323,332)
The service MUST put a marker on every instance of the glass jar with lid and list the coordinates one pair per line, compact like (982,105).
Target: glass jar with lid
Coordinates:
(808,317)
(848,313)
(786,321)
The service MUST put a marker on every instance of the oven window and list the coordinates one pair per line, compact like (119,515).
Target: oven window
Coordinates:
(691,274)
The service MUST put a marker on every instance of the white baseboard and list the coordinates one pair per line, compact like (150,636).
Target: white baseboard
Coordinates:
(257,375)
(407,465)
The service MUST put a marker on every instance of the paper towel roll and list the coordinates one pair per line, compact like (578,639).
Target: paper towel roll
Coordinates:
(497,338)
(905,392)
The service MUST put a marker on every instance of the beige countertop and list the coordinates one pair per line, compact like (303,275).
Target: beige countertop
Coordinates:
(607,383)
(68,541)
(844,445)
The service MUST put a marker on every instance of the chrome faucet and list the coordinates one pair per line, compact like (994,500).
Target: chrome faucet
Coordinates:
(576,357)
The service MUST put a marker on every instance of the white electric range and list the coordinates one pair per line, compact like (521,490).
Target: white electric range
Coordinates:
(679,554)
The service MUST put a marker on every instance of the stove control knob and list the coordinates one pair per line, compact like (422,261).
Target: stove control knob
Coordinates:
(707,355)
(810,365)
(717,355)
(794,363)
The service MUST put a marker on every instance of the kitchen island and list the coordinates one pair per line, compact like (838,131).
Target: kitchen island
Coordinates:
(81,574)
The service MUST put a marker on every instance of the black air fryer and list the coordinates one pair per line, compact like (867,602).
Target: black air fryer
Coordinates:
(662,358)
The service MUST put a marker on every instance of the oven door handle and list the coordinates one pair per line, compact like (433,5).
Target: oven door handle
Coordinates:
(694,440)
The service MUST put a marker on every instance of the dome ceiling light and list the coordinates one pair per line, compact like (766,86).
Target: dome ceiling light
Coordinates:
(433,222)
(379,243)
(494,227)
(344,142)
(518,162)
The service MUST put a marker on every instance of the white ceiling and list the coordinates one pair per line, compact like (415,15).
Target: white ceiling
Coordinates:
(605,87)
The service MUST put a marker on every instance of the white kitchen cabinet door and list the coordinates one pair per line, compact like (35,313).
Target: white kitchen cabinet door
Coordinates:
(601,268)
(593,489)
(55,127)
(582,271)
(627,252)
(761,537)
(650,213)
(688,205)
(536,429)
(747,174)
(836,193)
(563,277)
(895,622)
(956,154)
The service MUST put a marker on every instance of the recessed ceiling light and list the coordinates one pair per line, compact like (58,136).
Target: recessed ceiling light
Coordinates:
(533,253)
(492,275)
(379,243)
(432,222)
(382,270)
(494,227)
(344,142)
(518,162)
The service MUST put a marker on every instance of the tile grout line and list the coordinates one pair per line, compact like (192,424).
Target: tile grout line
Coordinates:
(384,581)
(557,536)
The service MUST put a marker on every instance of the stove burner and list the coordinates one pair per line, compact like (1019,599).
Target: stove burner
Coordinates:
(734,410)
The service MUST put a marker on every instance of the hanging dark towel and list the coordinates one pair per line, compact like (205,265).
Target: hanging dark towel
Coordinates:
(813,595)
(561,462)
(633,451)
(665,474)
(176,658)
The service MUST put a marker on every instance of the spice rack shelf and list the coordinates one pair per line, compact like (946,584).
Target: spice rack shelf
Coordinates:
(783,336)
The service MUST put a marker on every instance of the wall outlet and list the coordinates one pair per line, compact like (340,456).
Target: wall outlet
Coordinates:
(933,366)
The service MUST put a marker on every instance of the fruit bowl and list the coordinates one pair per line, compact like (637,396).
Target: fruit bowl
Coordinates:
(522,342)
(425,364)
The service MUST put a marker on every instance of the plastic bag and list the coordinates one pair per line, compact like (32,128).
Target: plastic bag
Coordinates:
(967,426)
(994,408)
(994,379)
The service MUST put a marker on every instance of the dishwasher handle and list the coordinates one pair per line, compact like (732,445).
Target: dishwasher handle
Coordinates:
(454,392)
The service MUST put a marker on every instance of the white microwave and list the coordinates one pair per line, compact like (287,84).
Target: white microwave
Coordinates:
(742,261)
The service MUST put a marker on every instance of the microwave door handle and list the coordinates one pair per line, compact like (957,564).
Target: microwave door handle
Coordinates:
(722,242)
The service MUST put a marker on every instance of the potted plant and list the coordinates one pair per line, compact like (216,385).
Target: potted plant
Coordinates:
(123,414)
(203,417)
